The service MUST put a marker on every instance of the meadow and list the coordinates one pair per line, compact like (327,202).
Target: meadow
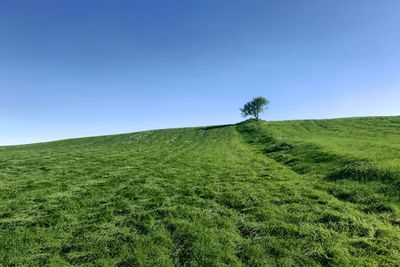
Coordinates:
(286,193)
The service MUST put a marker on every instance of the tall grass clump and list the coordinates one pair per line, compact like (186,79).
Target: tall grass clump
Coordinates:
(361,171)
(358,170)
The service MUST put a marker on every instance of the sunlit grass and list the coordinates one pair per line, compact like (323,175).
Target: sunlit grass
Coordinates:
(254,194)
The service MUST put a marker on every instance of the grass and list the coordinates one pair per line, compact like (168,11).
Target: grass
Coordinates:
(295,193)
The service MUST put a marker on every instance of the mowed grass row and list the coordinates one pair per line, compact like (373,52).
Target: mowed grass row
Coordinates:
(186,197)
(376,139)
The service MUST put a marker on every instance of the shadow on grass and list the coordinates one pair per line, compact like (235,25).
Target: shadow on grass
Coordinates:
(306,158)
(302,158)
(208,128)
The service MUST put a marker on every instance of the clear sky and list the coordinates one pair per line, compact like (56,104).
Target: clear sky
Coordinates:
(71,68)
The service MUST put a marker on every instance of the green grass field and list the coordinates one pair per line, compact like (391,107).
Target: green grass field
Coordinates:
(290,193)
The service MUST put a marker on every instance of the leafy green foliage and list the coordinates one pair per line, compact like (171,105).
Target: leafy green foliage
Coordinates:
(252,194)
(254,107)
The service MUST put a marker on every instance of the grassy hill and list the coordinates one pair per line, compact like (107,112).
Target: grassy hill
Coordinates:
(290,193)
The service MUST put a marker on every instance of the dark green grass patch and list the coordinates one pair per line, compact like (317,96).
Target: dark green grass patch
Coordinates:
(302,157)
(362,171)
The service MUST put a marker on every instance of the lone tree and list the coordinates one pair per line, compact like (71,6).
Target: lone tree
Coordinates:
(254,107)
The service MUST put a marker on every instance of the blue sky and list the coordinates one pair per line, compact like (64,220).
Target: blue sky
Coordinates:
(71,68)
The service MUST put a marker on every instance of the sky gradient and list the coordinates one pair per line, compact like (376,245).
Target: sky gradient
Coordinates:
(73,68)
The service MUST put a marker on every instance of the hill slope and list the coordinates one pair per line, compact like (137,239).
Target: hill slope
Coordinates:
(281,193)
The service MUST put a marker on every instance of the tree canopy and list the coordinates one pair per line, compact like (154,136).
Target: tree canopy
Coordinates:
(255,107)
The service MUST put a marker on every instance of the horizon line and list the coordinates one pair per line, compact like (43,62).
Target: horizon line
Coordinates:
(185,127)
